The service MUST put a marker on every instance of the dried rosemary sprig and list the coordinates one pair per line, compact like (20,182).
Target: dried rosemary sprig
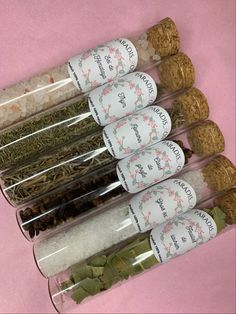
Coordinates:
(55,169)
(45,131)
(86,194)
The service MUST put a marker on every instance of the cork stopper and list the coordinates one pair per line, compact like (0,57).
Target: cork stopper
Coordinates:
(164,38)
(189,107)
(177,72)
(220,174)
(206,139)
(227,203)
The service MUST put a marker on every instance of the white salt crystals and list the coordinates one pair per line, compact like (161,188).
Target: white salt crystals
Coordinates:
(77,243)
(39,93)
(196,179)
(145,50)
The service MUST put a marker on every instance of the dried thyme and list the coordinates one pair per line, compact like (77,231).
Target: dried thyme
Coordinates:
(46,131)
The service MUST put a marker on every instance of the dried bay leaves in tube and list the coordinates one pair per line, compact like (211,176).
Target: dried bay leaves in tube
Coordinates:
(102,272)
(218,216)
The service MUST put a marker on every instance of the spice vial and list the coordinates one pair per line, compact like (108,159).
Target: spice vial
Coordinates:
(82,195)
(125,216)
(112,59)
(77,117)
(67,173)
(110,267)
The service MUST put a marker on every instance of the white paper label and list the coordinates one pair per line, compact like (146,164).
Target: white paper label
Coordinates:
(182,234)
(150,166)
(122,97)
(143,128)
(102,64)
(160,203)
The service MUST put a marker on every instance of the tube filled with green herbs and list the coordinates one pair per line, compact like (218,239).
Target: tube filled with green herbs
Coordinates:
(80,116)
(48,172)
(127,216)
(129,258)
(87,71)
(132,174)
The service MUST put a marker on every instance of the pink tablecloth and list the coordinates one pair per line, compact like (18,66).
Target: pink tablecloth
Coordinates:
(36,35)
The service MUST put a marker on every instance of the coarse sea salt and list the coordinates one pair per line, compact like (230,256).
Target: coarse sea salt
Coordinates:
(83,240)
(49,89)
(196,179)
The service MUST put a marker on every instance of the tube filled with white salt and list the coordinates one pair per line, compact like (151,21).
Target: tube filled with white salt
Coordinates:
(87,71)
(80,116)
(127,216)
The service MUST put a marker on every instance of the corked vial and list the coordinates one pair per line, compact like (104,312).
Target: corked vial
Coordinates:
(69,201)
(106,269)
(71,162)
(82,73)
(124,218)
(80,116)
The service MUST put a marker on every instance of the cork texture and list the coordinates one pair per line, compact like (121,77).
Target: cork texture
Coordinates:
(164,37)
(220,174)
(206,139)
(177,72)
(190,107)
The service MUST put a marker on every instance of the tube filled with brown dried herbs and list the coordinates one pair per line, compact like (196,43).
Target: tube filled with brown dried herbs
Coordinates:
(101,184)
(102,271)
(127,216)
(73,161)
(88,70)
(83,115)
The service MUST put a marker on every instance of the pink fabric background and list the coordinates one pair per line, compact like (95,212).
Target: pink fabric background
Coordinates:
(36,35)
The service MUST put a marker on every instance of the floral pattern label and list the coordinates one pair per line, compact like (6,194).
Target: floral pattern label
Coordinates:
(141,129)
(161,203)
(150,166)
(102,64)
(125,95)
(182,234)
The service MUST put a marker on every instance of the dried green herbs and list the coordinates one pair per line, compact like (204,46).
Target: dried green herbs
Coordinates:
(73,200)
(48,130)
(83,195)
(54,169)
(104,271)
(101,272)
